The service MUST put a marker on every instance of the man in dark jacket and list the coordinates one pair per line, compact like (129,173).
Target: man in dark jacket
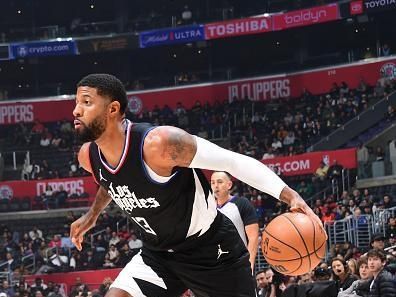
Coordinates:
(383,283)
(322,286)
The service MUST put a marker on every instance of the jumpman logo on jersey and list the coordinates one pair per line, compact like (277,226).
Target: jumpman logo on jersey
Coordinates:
(101,176)
(221,252)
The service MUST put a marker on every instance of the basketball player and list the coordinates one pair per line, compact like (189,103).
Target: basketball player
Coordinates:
(151,174)
(239,210)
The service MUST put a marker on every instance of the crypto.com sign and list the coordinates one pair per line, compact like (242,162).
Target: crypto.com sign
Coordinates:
(306,17)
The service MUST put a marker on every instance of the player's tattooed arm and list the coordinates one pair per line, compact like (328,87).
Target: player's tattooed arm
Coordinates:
(170,147)
(86,222)
(101,201)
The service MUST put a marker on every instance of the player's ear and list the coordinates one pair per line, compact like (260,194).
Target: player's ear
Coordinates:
(114,107)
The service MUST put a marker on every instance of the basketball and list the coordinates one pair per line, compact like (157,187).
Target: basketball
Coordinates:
(293,244)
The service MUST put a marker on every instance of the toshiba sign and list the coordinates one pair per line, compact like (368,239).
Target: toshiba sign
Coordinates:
(306,17)
(238,27)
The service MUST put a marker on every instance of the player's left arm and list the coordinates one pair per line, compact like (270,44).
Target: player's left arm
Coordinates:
(166,147)
(252,233)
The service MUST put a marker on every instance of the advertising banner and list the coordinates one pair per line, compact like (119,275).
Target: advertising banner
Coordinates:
(26,111)
(171,36)
(379,5)
(237,27)
(288,85)
(43,49)
(356,7)
(308,163)
(5,52)
(19,189)
(121,42)
(306,17)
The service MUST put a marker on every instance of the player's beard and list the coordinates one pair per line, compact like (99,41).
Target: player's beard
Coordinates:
(93,130)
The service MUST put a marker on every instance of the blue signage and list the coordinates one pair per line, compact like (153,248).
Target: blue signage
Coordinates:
(171,36)
(42,49)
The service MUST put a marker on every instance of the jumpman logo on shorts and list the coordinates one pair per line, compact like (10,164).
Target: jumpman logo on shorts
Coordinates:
(101,176)
(220,252)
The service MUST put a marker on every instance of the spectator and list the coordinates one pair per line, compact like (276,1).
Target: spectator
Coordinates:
(352,264)
(321,286)
(305,189)
(335,172)
(45,140)
(55,292)
(38,127)
(362,158)
(319,178)
(377,241)
(134,243)
(12,264)
(379,154)
(78,287)
(105,285)
(268,154)
(276,145)
(5,288)
(382,283)
(114,240)
(100,244)
(388,202)
(107,262)
(66,242)
(123,234)
(125,255)
(113,254)
(59,197)
(55,242)
(89,261)
(360,287)
(385,50)
(47,196)
(264,282)
(341,273)
(38,285)
(60,261)
(186,15)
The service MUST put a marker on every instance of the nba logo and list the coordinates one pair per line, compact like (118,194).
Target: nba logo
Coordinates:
(22,51)
(356,7)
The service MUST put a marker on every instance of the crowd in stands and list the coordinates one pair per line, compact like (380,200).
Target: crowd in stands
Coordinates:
(113,247)
(260,129)
(109,249)
(372,274)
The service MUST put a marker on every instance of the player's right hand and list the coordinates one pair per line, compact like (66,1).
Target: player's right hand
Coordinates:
(78,229)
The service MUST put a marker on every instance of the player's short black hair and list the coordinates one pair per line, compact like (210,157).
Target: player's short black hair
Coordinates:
(107,85)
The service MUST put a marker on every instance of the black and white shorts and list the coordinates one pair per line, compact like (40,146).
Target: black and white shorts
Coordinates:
(219,267)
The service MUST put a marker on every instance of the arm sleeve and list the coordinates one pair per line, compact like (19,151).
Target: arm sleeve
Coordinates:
(249,170)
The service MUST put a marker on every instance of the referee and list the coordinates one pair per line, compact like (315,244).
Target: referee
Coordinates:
(239,210)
